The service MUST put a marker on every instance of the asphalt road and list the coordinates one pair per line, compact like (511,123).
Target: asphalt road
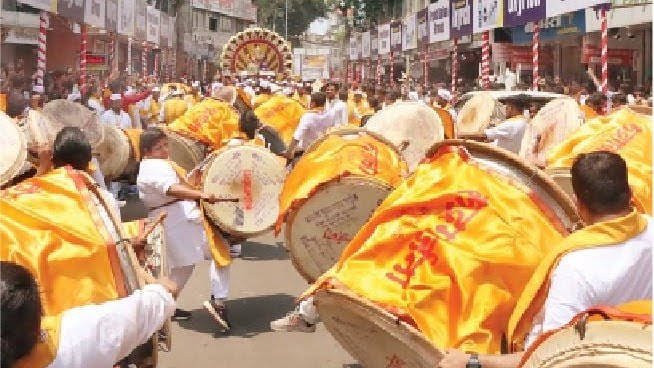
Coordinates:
(264,285)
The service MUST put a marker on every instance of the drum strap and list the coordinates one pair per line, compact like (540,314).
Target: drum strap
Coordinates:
(164,205)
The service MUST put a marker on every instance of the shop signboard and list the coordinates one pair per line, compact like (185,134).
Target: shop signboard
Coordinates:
(487,14)
(520,12)
(638,13)
(552,28)
(439,21)
(94,13)
(558,7)
(384,33)
(461,18)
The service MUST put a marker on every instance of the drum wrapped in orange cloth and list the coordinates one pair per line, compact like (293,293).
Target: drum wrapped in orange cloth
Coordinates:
(118,153)
(624,132)
(606,337)
(62,228)
(443,260)
(553,123)
(281,113)
(332,191)
(14,149)
(250,173)
(478,113)
(411,126)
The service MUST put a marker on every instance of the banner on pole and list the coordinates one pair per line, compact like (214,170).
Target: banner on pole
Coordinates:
(365,45)
(140,21)
(111,15)
(126,17)
(153,25)
(558,7)
(164,40)
(396,36)
(439,21)
(353,48)
(73,10)
(94,13)
(619,17)
(487,15)
(461,18)
(409,33)
(374,43)
(359,41)
(422,27)
(384,34)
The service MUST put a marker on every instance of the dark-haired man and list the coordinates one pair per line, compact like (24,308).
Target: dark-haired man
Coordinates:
(313,124)
(609,262)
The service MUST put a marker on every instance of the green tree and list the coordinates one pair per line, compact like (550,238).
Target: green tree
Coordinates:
(270,14)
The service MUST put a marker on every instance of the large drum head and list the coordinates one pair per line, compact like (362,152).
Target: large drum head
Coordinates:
(39,129)
(322,226)
(113,153)
(63,113)
(606,344)
(185,152)
(410,125)
(552,124)
(373,336)
(478,113)
(255,176)
(512,166)
(14,149)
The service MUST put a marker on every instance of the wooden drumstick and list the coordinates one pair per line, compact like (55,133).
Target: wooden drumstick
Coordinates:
(150,228)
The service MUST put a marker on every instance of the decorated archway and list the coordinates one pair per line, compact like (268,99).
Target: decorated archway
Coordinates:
(257,51)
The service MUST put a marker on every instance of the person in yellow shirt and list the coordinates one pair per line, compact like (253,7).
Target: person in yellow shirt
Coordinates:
(173,108)
(264,94)
(357,108)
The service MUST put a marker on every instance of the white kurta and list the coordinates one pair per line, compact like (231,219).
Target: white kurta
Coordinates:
(185,236)
(96,105)
(121,120)
(100,335)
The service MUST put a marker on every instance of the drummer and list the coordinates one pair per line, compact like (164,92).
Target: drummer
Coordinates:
(116,116)
(162,189)
(173,107)
(509,133)
(115,327)
(607,263)
(313,124)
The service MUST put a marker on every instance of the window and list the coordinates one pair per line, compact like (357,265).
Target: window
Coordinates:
(213,24)
(226,24)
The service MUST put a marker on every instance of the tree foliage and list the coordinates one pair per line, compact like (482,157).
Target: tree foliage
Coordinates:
(270,14)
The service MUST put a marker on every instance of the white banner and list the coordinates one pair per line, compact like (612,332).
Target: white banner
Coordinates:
(409,33)
(153,25)
(558,7)
(487,14)
(126,17)
(111,12)
(94,13)
(352,50)
(439,21)
(141,21)
(48,5)
(163,30)
(384,32)
(365,44)
(619,17)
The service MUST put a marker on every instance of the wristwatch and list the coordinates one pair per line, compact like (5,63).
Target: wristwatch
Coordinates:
(473,362)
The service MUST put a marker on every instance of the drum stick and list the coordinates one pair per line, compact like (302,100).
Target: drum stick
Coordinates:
(403,146)
(150,227)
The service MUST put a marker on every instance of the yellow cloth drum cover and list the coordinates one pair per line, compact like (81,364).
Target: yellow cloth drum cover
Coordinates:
(282,114)
(211,122)
(252,174)
(553,123)
(408,122)
(14,149)
(478,113)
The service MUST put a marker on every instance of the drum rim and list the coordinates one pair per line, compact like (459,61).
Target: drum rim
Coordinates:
(170,133)
(354,131)
(293,211)
(540,177)
(214,218)
(15,168)
(477,96)
(409,336)
(125,139)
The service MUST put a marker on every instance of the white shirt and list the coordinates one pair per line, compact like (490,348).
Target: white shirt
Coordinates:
(100,335)
(605,275)
(508,134)
(312,126)
(121,120)
(94,104)
(185,236)
(340,112)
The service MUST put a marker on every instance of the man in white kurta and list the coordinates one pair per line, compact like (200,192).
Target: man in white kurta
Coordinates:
(116,116)
(186,239)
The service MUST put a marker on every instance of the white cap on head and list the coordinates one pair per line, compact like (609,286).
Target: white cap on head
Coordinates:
(444,94)
(195,84)
(38,89)
(74,96)
(156,89)
(116,97)
(265,84)
(177,93)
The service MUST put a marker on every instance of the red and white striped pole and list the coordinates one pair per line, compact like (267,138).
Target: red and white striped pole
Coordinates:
(605,57)
(205,70)
(379,74)
(368,70)
(392,71)
(455,64)
(485,59)
(535,56)
(111,51)
(41,57)
(144,59)
(426,65)
(157,56)
(82,61)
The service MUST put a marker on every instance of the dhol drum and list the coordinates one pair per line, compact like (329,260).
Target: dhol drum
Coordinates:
(478,113)
(38,129)
(380,334)
(618,340)
(552,124)
(412,126)
(117,154)
(252,174)
(184,151)
(14,149)
(562,177)
(60,113)
(319,227)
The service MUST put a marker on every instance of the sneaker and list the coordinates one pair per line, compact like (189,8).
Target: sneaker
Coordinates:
(181,314)
(219,313)
(292,322)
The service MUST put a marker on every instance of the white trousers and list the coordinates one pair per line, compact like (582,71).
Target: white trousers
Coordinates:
(219,277)
(308,311)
